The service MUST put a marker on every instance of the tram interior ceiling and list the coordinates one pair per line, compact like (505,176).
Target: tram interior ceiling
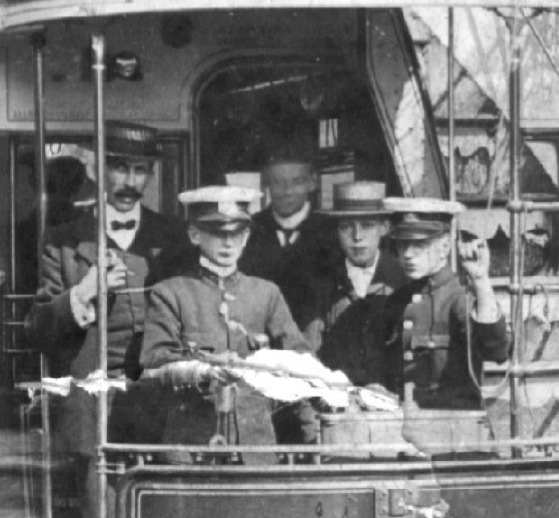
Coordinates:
(252,112)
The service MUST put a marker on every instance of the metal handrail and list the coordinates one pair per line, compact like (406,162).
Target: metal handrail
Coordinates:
(318,448)
(541,367)
(517,206)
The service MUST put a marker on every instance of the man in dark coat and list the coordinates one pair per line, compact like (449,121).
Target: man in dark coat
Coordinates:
(347,326)
(66,180)
(436,335)
(290,243)
(63,324)
(215,308)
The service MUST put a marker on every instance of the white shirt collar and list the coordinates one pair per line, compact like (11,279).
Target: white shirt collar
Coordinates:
(220,271)
(294,220)
(361,277)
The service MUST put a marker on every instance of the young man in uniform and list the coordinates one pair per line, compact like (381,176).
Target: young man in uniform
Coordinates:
(63,320)
(346,328)
(439,331)
(216,309)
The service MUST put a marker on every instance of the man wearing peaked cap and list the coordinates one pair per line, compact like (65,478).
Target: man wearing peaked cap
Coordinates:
(349,302)
(437,333)
(217,309)
(219,204)
(421,218)
(144,247)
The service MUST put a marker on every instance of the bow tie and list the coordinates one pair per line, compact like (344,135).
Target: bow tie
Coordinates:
(123,225)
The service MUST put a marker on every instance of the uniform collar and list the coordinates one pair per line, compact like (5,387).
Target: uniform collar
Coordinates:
(441,277)
(215,272)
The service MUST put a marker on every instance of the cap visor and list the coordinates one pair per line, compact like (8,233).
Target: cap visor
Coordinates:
(222,226)
(405,234)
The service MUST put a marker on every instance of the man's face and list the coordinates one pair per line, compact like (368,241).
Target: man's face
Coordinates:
(290,186)
(423,257)
(222,246)
(126,181)
(359,239)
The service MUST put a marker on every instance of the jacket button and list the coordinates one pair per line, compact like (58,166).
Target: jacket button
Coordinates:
(416,298)
(408,324)
(408,356)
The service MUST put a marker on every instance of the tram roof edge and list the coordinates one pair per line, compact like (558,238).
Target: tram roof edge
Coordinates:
(18,13)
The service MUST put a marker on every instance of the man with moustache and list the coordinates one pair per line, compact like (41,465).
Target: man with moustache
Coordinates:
(144,247)
(347,318)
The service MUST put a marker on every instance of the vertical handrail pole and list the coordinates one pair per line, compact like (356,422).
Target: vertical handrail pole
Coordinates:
(13,260)
(13,216)
(515,260)
(98,47)
(38,42)
(451,160)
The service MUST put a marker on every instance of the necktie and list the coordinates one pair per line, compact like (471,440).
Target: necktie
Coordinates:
(123,225)
(288,233)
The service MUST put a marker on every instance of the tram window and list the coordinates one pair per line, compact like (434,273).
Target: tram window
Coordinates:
(249,111)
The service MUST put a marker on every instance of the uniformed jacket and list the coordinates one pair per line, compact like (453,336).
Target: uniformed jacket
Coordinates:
(199,311)
(347,331)
(187,312)
(159,250)
(428,324)
(291,267)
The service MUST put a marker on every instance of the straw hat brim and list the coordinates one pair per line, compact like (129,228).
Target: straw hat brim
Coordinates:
(353,213)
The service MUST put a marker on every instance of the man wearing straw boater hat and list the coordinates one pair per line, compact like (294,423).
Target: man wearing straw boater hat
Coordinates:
(346,328)
(143,247)
(439,331)
(218,310)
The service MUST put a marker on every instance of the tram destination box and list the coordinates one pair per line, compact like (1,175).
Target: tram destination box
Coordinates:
(353,428)
(394,434)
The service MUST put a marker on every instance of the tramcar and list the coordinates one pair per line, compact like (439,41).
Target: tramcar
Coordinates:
(442,99)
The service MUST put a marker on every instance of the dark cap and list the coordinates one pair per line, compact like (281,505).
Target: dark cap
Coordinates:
(124,139)
(218,205)
(358,199)
(421,218)
(288,153)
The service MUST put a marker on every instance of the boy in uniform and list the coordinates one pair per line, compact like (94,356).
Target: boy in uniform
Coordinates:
(216,309)
(437,339)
